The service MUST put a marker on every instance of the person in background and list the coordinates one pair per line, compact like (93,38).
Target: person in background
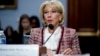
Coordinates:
(56,38)
(24,25)
(9,35)
(0,25)
(23,28)
(35,23)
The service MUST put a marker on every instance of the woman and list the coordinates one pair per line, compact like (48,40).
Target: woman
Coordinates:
(62,40)
(23,29)
(34,22)
(9,35)
(24,25)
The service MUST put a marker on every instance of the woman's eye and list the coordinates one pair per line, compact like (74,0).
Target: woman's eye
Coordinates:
(45,12)
(53,11)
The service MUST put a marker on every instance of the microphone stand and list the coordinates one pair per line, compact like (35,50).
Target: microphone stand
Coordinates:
(43,49)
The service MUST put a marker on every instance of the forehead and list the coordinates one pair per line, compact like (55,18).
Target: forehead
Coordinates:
(50,7)
(25,19)
(47,7)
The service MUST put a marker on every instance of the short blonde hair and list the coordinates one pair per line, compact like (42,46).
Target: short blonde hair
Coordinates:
(57,5)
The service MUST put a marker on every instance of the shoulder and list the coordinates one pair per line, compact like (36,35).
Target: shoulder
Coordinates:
(36,30)
(15,32)
(70,31)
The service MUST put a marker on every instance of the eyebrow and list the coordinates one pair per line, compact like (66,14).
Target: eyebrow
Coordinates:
(51,10)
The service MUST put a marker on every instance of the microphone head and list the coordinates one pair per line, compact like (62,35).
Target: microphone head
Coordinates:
(51,26)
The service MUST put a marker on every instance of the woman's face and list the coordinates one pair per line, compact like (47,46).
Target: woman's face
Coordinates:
(51,16)
(33,23)
(25,23)
(9,32)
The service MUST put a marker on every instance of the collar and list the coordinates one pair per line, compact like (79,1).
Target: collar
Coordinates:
(55,32)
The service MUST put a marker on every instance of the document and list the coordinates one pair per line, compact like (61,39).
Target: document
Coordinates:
(19,50)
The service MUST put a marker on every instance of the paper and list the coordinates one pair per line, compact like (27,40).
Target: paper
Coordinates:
(72,55)
(19,50)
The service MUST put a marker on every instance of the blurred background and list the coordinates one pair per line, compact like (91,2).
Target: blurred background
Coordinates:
(9,15)
(83,15)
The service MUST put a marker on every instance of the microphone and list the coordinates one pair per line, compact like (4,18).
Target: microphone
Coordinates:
(52,28)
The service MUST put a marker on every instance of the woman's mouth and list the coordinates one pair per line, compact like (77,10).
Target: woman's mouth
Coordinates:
(49,21)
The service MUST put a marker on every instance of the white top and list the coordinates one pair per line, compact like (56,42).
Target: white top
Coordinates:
(53,42)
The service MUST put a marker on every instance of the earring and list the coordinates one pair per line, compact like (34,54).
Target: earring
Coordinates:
(59,20)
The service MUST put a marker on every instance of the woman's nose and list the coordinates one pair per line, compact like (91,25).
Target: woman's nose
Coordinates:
(49,15)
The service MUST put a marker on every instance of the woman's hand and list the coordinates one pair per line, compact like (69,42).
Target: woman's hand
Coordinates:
(49,52)
(68,51)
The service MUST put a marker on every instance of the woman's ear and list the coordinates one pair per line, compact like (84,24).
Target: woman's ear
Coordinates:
(60,17)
